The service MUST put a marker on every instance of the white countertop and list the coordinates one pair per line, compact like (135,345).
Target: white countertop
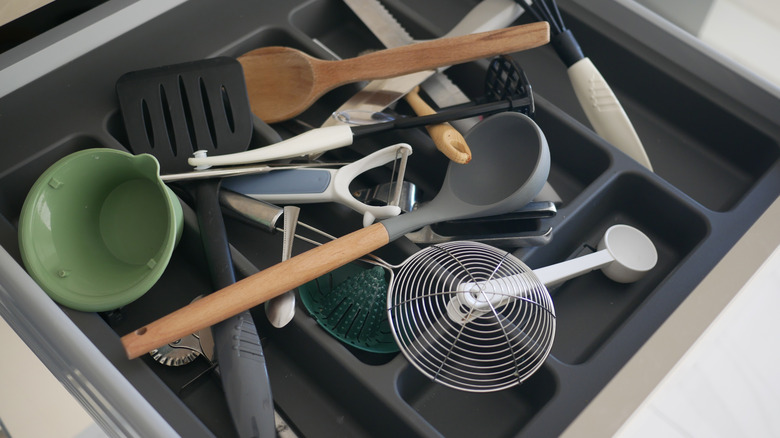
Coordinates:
(33,402)
(711,369)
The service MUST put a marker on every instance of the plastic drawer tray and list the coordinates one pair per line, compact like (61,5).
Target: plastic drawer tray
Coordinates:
(714,148)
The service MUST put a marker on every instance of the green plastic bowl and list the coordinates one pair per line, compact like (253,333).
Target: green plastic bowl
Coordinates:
(98,228)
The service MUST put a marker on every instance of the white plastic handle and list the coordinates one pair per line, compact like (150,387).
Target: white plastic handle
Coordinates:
(311,142)
(604,111)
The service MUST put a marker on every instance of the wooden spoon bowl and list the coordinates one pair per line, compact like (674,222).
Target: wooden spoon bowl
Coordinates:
(282,82)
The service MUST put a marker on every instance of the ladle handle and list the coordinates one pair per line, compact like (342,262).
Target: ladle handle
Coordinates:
(437,53)
(254,290)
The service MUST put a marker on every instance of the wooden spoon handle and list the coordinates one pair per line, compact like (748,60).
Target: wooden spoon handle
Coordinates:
(447,139)
(255,290)
(437,53)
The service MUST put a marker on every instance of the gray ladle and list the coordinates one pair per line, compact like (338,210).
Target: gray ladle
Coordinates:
(511,162)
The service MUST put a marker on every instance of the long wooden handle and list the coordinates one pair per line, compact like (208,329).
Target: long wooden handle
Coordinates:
(447,139)
(255,290)
(436,53)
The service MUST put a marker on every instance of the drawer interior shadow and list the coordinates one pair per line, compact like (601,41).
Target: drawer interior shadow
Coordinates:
(456,413)
(576,158)
(708,151)
(16,183)
(591,307)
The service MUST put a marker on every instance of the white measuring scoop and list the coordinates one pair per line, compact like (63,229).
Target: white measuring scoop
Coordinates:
(624,255)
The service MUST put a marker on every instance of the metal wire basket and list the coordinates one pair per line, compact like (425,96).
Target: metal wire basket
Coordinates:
(471,316)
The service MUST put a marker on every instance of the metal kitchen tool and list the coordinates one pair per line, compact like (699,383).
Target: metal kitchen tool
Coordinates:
(283,82)
(475,318)
(379,94)
(596,98)
(302,186)
(493,353)
(240,170)
(496,236)
(280,310)
(427,235)
(447,139)
(508,144)
(383,194)
(179,352)
(171,112)
(185,350)
(361,117)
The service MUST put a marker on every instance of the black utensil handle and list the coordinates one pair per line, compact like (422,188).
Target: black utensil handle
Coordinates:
(448,114)
(236,343)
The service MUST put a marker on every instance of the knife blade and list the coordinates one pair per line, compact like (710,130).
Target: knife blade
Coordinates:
(380,22)
(379,94)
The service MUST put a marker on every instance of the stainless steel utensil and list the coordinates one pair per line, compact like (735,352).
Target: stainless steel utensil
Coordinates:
(177,353)
(493,235)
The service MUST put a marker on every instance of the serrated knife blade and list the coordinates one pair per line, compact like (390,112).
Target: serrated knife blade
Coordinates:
(380,22)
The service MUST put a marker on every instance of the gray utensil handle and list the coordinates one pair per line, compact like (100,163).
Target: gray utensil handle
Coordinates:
(244,377)
(236,342)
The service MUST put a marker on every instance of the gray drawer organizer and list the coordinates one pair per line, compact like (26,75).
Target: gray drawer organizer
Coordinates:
(711,133)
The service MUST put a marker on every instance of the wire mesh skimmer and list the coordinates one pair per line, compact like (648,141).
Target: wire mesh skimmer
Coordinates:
(499,348)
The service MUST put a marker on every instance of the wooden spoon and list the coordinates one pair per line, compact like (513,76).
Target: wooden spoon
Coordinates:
(283,82)
(446,138)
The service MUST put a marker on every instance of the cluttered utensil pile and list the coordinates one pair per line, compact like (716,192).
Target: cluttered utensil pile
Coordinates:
(193,121)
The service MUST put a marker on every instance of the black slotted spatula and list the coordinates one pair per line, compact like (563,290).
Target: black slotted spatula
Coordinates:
(171,112)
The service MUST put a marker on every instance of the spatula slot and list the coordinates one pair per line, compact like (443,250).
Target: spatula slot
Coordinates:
(208,114)
(188,121)
(228,108)
(147,119)
(168,119)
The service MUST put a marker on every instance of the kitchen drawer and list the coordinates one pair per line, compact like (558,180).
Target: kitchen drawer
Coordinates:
(712,136)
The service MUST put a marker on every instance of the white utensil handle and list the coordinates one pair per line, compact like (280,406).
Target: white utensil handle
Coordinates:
(564,271)
(481,297)
(310,142)
(604,111)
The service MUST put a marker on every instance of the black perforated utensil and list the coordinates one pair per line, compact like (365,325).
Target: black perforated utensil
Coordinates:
(170,112)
